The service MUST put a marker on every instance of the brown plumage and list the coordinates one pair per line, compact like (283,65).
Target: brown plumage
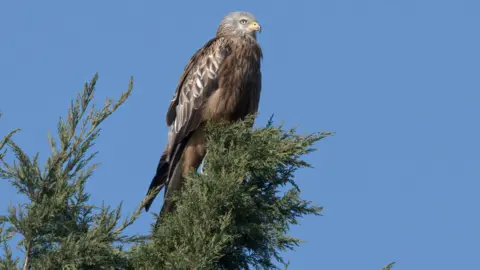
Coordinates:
(221,82)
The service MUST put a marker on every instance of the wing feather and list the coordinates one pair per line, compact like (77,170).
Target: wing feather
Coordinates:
(196,84)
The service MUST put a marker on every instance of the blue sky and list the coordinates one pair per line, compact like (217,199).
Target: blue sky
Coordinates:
(396,80)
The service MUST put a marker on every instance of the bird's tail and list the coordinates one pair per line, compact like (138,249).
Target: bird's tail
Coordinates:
(159,180)
(174,175)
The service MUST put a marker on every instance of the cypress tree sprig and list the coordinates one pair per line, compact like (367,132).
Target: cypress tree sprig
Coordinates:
(58,227)
(235,214)
(389,266)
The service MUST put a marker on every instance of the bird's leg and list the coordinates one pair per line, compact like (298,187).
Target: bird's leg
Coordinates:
(203,162)
(194,152)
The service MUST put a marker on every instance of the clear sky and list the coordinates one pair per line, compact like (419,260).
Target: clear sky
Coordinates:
(398,81)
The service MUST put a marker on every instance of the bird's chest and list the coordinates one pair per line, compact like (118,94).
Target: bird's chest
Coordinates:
(232,102)
(225,105)
(238,85)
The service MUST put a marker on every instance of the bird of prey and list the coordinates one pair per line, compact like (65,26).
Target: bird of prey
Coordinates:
(221,82)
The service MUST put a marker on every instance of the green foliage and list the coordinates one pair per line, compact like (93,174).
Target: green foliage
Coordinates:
(233,215)
(4,141)
(58,227)
(388,267)
(6,261)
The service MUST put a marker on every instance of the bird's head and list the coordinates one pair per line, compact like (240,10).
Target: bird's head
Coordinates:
(239,24)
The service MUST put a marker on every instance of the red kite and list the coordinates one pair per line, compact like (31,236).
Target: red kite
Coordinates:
(221,82)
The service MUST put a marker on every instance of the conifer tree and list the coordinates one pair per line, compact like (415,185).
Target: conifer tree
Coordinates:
(58,227)
(236,214)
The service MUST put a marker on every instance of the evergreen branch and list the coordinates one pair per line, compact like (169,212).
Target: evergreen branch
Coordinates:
(129,220)
(26,262)
(58,225)
(233,216)
(389,266)
(3,143)
(6,261)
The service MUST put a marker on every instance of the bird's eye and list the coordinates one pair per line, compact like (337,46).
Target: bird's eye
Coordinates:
(243,21)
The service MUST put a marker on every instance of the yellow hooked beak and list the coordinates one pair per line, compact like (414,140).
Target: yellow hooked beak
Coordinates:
(254,26)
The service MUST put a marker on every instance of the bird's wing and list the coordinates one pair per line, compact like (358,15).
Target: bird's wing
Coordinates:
(196,84)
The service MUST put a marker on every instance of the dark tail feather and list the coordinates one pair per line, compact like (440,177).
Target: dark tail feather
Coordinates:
(159,180)
(169,206)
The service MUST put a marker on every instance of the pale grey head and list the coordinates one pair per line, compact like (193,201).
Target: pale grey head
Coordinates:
(239,24)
